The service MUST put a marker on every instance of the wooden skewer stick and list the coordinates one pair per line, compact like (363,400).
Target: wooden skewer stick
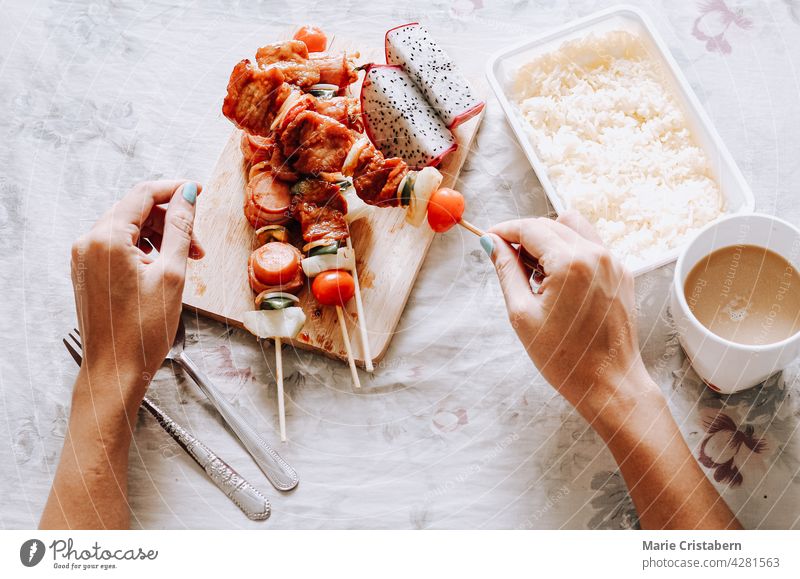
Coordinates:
(362,319)
(279,379)
(470,227)
(346,339)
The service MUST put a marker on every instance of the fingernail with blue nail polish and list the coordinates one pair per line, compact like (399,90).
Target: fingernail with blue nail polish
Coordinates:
(487,244)
(190,192)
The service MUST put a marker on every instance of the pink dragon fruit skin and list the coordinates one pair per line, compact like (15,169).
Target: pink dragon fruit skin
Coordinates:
(399,121)
(436,75)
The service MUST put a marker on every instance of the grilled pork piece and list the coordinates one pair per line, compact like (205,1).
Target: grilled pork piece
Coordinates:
(313,136)
(377,182)
(288,51)
(254,97)
(338,69)
(319,207)
(291,58)
(313,143)
(346,110)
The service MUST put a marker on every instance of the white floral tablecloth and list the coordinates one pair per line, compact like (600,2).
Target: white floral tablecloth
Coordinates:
(455,429)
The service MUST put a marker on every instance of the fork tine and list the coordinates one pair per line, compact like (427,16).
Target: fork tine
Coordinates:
(76,340)
(73,352)
(77,331)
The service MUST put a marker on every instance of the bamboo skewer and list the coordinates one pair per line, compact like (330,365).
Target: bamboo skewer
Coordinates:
(362,319)
(346,339)
(279,380)
(470,227)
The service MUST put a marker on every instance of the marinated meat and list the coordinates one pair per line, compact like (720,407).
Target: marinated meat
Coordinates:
(376,178)
(262,154)
(301,74)
(254,97)
(346,110)
(369,185)
(288,51)
(338,69)
(314,136)
(291,58)
(320,222)
(320,193)
(313,143)
(388,195)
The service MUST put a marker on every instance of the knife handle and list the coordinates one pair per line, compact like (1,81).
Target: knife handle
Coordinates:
(242,493)
(282,476)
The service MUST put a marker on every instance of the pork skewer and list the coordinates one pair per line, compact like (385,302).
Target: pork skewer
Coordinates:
(324,129)
(317,138)
(319,207)
(274,272)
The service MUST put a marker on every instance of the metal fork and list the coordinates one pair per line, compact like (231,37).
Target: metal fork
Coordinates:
(244,495)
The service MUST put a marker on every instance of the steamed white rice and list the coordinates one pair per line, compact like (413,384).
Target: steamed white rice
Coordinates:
(616,144)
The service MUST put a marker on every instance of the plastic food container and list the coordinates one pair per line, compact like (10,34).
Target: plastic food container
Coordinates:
(503,66)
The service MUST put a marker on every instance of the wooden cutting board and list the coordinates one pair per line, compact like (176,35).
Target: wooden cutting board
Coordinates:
(389,254)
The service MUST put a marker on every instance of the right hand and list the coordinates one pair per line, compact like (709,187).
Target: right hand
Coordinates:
(580,330)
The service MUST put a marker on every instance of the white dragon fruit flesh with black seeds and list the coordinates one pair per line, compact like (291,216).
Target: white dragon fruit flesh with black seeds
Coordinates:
(399,121)
(443,85)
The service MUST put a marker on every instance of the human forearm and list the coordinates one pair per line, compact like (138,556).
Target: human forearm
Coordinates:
(90,485)
(667,486)
(128,274)
(579,329)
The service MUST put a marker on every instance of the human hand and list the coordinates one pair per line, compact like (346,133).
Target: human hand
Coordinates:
(580,330)
(128,300)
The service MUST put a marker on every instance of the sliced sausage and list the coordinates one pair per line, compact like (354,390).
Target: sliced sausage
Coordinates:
(267,200)
(275,266)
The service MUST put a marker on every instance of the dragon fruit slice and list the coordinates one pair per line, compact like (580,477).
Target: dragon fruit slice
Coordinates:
(398,119)
(436,75)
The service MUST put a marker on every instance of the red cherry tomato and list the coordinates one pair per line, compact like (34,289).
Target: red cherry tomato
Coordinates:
(315,38)
(333,288)
(445,208)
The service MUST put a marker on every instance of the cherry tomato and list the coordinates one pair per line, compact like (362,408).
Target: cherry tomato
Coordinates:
(333,288)
(315,38)
(445,208)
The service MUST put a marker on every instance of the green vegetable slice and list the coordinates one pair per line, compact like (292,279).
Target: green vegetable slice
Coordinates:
(329,249)
(272,233)
(298,188)
(276,303)
(324,91)
(408,189)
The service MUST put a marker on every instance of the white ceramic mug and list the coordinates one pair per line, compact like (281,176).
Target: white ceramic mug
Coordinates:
(727,366)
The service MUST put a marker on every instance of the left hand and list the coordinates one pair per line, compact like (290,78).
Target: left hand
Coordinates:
(129,301)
